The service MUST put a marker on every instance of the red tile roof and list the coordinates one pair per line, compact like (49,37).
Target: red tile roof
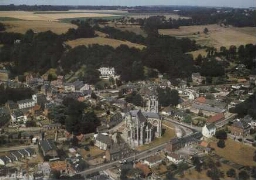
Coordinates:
(145,169)
(201,99)
(204,144)
(216,118)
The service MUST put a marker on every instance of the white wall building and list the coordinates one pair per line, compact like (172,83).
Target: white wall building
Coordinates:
(209,131)
(107,72)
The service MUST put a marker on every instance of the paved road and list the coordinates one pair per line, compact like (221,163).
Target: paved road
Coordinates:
(140,155)
(194,128)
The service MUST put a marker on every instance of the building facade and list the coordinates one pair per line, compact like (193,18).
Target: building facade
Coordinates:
(142,127)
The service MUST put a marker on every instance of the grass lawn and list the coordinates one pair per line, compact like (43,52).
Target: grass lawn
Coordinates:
(94,151)
(236,152)
(169,133)
(218,36)
(102,41)
(197,52)
(193,174)
(19,26)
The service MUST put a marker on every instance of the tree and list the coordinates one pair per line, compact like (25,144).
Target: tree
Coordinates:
(197,163)
(93,95)
(221,143)
(221,134)
(55,175)
(243,175)
(168,97)
(2,28)
(31,124)
(231,173)
(206,30)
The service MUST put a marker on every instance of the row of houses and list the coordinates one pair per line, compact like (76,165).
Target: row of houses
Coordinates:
(16,156)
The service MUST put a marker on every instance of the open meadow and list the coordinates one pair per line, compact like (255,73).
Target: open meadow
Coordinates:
(216,37)
(236,152)
(102,41)
(52,15)
(37,26)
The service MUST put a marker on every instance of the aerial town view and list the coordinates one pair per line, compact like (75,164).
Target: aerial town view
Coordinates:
(127,90)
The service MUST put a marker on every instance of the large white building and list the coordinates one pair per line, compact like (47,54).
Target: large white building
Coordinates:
(107,72)
(27,103)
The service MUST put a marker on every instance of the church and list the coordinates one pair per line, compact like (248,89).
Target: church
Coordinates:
(142,127)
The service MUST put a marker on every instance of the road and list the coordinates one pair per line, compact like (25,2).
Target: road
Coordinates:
(138,156)
(193,128)
(143,154)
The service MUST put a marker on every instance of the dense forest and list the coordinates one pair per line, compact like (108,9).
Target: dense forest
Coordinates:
(200,16)
(246,107)
(41,51)
(14,94)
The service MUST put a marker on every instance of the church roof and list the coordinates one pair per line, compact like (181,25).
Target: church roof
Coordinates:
(142,116)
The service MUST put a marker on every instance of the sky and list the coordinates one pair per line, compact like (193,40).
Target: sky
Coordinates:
(218,3)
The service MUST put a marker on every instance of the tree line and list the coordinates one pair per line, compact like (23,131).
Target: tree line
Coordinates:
(14,94)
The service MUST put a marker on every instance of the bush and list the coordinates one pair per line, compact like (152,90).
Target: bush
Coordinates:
(221,135)
(231,173)
(221,143)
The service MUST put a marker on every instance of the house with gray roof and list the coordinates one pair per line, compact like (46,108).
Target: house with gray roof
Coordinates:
(17,155)
(4,160)
(48,148)
(209,130)
(102,141)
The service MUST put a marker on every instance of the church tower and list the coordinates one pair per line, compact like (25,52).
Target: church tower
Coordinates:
(153,104)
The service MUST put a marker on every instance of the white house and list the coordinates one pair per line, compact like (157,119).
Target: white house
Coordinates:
(102,141)
(27,103)
(18,116)
(175,158)
(69,87)
(209,130)
(107,72)
(153,160)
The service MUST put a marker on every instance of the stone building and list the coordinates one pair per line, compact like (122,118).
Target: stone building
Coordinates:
(143,127)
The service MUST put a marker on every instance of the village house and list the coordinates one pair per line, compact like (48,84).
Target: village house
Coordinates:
(240,128)
(178,143)
(216,118)
(197,78)
(69,87)
(44,168)
(209,130)
(174,158)
(154,160)
(18,116)
(5,160)
(60,166)
(207,107)
(48,148)
(144,168)
(118,151)
(102,141)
